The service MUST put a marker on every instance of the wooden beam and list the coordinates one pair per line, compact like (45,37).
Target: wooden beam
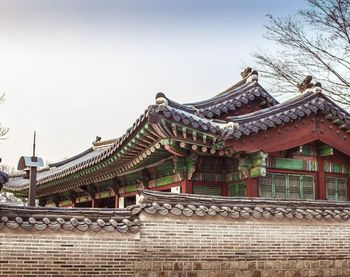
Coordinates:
(143,177)
(95,203)
(184,132)
(165,128)
(73,197)
(204,138)
(186,186)
(174,128)
(321,181)
(56,199)
(224,191)
(173,151)
(194,136)
(348,188)
(283,138)
(116,201)
(115,184)
(90,190)
(252,187)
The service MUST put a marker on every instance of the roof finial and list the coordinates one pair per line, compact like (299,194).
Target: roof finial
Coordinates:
(249,75)
(231,125)
(253,76)
(161,99)
(246,72)
(305,84)
(317,87)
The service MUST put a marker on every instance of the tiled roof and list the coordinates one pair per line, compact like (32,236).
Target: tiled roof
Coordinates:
(303,105)
(234,99)
(188,119)
(230,100)
(165,203)
(197,116)
(68,219)
(169,110)
(169,204)
(79,162)
(56,169)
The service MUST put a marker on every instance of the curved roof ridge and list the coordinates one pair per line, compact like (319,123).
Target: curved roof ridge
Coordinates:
(214,122)
(93,156)
(273,109)
(105,143)
(312,101)
(75,157)
(249,80)
(224,95)
(234,100)
(162,98)
(160,197)
(112,148)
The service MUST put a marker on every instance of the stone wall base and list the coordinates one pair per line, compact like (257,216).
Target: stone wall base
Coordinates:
(307,268)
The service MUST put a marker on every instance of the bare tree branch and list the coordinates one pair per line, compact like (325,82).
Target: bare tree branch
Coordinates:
(314,42)
(7,197)
(3,130)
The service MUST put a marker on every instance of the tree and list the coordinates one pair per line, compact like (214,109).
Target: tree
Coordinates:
(3,130)
(7,197)
(316,42)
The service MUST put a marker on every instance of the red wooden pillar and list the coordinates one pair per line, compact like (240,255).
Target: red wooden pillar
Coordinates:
(252,187)
(321,180)
(73,198)
(186,186)
(348,188)
(74,202)
(116,201)
(224,187)
(95,202)
(183,186)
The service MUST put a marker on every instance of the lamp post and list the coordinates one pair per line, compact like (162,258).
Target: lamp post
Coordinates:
(31,163)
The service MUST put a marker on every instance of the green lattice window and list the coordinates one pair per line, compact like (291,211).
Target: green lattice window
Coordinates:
(336,188)
(206,190)
(237,189)
(289,186)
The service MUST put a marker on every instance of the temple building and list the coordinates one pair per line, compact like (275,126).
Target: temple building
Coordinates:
(241,142)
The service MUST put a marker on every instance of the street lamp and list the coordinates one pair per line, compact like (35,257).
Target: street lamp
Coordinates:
(31,165)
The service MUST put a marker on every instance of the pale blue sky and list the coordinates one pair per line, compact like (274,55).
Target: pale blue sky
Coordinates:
(73,70)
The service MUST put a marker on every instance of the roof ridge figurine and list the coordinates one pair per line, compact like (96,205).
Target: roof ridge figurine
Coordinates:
(307,85)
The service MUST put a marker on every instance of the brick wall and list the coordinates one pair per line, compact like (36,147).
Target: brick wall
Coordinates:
(224,247)
(180,246)
(67,253)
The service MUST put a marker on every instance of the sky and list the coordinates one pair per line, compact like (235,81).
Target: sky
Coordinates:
(76,69)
